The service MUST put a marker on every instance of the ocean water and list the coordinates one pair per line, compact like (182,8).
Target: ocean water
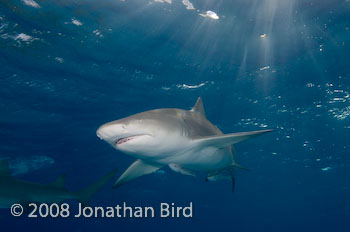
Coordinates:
(68,66)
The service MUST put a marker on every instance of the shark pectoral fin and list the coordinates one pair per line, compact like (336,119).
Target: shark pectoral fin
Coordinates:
(228,139)
(136,169)
(4,168)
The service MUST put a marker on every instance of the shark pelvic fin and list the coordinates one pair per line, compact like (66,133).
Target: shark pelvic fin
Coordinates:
(136,169)
(179,169)
(59,182)
(228,139)
(198,107)
(236,165)
(4,168)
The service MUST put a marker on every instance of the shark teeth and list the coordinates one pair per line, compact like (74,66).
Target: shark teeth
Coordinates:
(124,140)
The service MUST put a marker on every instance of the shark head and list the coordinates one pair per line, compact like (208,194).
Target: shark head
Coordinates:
(140,135)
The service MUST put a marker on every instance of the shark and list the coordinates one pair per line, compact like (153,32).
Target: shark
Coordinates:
(13,190)
(184,140)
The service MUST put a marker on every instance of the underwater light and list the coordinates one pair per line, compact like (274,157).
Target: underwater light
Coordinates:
(210,14)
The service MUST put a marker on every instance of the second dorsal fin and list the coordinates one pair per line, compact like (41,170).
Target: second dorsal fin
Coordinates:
(59,182)
(198,107)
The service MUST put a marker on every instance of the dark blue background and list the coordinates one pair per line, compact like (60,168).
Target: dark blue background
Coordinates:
(61,84)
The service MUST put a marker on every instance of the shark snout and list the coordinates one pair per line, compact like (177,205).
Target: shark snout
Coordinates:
(103,132)
(98,133)
(111,132)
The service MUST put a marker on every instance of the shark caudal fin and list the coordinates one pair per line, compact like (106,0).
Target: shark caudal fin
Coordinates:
(86,193)
(228,139)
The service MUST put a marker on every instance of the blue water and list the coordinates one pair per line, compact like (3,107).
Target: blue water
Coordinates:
(66,67)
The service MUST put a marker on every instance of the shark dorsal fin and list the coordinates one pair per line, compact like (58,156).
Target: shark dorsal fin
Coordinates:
(4,168)
(59,182)
(198,107)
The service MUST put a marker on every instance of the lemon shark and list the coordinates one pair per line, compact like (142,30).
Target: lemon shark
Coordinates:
(184,140)
(13,191)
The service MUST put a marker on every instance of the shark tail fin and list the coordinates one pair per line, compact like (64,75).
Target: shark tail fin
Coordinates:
(86,193)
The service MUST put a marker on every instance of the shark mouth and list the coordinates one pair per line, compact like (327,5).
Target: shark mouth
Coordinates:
(126,139)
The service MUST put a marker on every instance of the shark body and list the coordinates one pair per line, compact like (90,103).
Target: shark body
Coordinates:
(185,140)
(13,191)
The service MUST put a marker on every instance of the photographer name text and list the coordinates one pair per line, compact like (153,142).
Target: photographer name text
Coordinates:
(165,210)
